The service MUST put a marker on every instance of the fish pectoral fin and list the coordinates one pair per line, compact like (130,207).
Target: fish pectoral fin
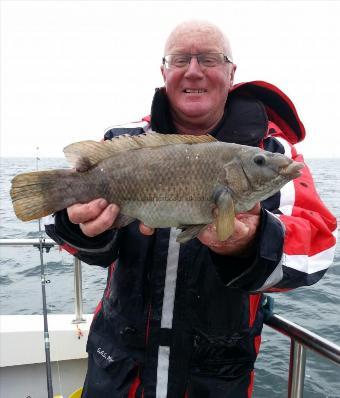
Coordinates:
(226,213)
(190,232)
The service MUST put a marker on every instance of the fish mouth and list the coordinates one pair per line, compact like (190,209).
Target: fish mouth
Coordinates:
(292,170)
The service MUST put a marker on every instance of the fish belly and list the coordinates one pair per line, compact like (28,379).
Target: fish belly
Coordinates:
(163,214)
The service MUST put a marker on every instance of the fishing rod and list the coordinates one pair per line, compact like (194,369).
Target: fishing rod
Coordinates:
(43,291)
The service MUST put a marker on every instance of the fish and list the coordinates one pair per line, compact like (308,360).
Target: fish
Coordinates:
(162,180)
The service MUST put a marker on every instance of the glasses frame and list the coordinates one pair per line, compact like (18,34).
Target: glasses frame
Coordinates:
(226,59)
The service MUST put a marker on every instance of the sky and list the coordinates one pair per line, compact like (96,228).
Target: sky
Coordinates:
(71,69)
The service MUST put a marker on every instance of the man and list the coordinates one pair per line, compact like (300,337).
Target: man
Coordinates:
(185,320)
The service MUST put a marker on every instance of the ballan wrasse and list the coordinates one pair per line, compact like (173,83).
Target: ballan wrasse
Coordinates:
(163,180)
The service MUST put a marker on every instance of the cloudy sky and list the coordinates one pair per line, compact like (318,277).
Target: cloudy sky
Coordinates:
(70,69)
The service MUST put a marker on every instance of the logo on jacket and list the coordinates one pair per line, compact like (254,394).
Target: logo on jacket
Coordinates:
(102,353)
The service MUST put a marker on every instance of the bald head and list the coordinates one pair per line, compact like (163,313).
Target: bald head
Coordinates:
(191,29)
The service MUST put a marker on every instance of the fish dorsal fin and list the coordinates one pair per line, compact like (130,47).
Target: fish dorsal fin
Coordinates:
(85,154)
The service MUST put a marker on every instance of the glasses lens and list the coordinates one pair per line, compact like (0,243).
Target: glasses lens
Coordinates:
(177,60)
(210,59)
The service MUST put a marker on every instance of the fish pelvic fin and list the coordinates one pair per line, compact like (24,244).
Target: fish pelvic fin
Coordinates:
(38,194)
(190,232)
(86,154)
(122,221)
(226,213)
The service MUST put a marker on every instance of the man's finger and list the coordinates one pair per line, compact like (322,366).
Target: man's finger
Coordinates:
(102,223)
(145,230)
(255,210)
(81,213)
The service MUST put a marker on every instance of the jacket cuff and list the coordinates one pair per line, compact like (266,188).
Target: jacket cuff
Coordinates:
(252,273)
(73,235)
(99,250)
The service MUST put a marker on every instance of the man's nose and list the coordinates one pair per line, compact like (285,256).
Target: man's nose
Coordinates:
(194,69)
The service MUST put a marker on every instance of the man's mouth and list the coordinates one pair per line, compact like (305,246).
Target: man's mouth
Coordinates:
(194,90)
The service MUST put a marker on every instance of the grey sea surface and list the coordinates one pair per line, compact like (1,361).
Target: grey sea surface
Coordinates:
(315,307)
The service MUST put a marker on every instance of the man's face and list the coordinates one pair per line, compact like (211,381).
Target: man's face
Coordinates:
(197,93)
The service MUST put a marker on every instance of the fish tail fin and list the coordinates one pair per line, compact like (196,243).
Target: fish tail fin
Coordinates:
(38,194)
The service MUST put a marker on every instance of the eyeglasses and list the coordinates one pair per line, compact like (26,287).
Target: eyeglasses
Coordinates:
(208,60)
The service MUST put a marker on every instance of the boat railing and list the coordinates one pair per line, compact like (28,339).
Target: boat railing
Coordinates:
(301,339)
(47,244)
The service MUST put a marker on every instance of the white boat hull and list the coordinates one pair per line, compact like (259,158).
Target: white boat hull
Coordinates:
(22,355)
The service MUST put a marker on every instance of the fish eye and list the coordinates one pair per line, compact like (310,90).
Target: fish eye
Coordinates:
(260,160)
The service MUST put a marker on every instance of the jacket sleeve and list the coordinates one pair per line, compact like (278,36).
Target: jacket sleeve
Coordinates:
(101,250)
(297,237)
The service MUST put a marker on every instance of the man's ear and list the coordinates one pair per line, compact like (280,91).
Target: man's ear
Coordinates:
(163,73)
(232,74)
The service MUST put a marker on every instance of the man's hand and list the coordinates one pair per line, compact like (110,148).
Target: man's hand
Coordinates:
(94,217)
(241,242)
(97,216)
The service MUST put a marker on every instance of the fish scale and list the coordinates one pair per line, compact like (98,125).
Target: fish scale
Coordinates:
(144,173)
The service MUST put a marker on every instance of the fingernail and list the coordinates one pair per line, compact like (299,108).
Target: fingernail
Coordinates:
(114,208)
(102,203)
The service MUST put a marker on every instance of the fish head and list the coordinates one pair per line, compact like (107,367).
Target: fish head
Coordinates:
(265,173)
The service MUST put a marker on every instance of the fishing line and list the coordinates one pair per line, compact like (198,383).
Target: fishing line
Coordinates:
(59,373)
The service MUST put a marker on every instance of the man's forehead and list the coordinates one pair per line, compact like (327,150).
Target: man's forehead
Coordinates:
(201,39)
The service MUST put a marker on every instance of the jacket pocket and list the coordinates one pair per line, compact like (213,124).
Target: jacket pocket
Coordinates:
(114,364)
(223,356)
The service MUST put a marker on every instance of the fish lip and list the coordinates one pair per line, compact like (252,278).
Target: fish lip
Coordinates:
(292,170)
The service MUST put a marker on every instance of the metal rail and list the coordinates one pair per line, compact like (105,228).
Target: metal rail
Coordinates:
(47,243)
(305,337)
(301,338)
(78,288)
(78,292)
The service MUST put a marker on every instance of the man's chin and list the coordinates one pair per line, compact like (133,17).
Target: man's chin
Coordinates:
(195,110)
